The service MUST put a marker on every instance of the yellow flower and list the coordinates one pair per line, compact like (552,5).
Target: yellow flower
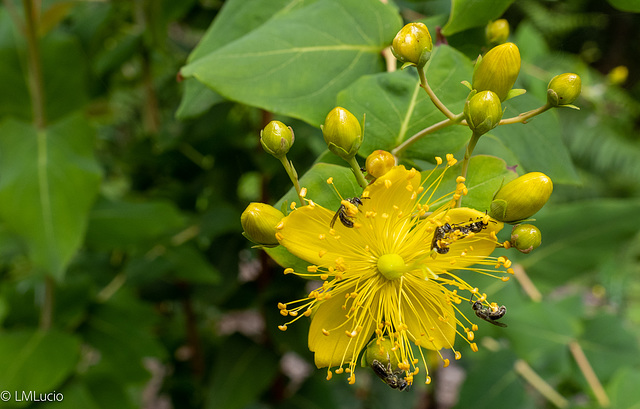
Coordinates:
(382,278)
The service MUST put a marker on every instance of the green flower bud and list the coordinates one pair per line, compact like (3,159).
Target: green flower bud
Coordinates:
(412,45)
(563,89)
(259,221)
(497,70)
(342,133)
(525,237)
(276,138)
(483,112)
(521,198)
(497,32)
(380,350)
(379,163)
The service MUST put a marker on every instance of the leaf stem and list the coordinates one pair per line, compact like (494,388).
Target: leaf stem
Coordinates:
(34,66)
(293,175)
(46,313)
(434,98)
(397,151)
(525,116)
(535,380)
(589,374)
(355,168)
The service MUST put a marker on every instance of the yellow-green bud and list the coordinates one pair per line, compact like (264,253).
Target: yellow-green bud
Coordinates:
(563,89)
(498,70)
(521,198)
(618,75)
(483,112)
(497,32)
(380,350)
(379,163)
(342,133)
(413,44)
(259,221)
(525,237)
(276,138)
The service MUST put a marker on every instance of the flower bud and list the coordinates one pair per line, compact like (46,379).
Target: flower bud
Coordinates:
(342,133)
(618,75)
(483,112)
(259,221)
(525,237)
(497,70)
(521,198)
(413,44)
(379,163)
(379,349)
(276,138)
(563,89)
(497,32)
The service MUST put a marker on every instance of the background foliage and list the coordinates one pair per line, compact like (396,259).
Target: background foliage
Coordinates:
(124,279)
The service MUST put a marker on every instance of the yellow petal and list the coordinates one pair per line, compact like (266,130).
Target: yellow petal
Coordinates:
(429,317)
(394,188)
(331,349)
(306,233)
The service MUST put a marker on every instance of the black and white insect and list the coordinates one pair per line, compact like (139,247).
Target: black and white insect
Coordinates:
(392,378)
(447,233)
(489,314)
(342,213)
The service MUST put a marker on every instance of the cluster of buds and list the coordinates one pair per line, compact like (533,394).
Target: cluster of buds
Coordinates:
(517,201)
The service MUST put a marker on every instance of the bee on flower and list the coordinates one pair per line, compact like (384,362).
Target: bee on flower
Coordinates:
(383,280)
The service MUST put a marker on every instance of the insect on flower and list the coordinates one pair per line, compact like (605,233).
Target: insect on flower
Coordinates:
(392,378)
(490,314)
(346,212)
(447,234)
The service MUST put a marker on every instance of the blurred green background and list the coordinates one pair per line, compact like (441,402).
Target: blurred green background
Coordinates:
(125,281)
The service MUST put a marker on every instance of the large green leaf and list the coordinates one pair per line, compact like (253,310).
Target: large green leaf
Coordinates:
(48,181)
(537,144)
(473,13)
(296,63)
(36,360)
(396,107)
(235,19)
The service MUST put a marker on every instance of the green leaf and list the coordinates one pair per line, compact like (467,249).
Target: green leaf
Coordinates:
(626,5)
(37,360)
(63,69)
(296,63)
(396,107)
(578,236)
(125,225)
(537,144)
(48,181)
(242,372)
(467,14)
(623,389)
(235,19)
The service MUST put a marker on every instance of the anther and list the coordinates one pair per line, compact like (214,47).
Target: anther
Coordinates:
(457,355)
(303,192)
(288,270)
(282,327)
